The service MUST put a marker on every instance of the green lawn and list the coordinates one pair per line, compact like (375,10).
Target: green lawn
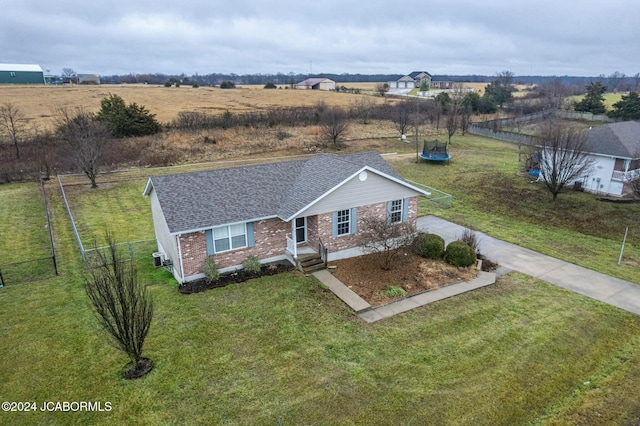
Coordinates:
(490,194)
(117,206)
(23,227)
(283,348)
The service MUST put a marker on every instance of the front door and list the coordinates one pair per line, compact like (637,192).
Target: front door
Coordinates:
(301,230)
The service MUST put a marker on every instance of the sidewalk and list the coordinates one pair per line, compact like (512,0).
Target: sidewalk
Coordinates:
(607,289)
(371,314)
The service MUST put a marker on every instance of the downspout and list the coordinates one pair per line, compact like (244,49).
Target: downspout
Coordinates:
(180,257)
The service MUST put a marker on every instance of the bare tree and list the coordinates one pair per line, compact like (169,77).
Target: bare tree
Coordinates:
(382,88)
(362,108)
(123,307)
(402,116)
(13,124)
(452,121)
(553,94)
(434,113)
(334,124)
(455,110)
(564,157)
(616,81)
(385,238)
(70,74)
(85,138)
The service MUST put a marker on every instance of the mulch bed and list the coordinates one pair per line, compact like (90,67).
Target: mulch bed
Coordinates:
(235,277)
(412,273)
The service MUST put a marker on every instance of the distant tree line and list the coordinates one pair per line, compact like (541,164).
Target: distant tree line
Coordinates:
(616,81)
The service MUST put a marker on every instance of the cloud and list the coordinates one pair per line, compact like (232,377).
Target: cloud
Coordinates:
(444,37)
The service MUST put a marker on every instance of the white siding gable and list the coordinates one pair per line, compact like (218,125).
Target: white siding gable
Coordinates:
(355,193)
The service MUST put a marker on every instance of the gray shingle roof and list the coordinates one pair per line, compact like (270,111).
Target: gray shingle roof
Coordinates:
(198,200)
(616,139)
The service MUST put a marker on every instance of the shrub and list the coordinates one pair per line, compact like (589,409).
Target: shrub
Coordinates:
(195,85)
(227,85)
(269,86)
(127,120)
(430,246)
(459,253)
(471,238)
(167,84)
(251,265)
(394,291)
(210,269)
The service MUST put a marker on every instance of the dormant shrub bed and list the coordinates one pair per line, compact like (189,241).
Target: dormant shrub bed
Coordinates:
(413,273)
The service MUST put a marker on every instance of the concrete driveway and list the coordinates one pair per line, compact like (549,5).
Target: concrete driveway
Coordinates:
(610,290)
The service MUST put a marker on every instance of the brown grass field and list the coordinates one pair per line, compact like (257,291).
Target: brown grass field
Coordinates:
(39,103)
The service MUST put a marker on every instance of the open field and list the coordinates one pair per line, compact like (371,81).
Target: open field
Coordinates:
(39,103)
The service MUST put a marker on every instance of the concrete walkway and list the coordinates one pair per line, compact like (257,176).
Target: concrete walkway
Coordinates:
(607,289)
(370,314)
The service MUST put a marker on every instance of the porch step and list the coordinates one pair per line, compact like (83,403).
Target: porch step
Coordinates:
(311,263)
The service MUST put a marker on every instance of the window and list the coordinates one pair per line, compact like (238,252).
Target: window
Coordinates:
(395,211)
(229,237)
(343,222)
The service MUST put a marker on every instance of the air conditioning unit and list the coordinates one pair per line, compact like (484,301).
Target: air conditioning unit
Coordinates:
(158,259)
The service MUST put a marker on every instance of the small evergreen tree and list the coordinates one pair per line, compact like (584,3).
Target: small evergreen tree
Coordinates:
(593,101)
(127,120)
(628,108)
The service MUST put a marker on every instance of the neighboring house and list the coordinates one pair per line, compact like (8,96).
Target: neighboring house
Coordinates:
(88,79)
(21,74)
(405,82)
(317,84)
(616,150)
(274,211)
(420,76)
(415,79)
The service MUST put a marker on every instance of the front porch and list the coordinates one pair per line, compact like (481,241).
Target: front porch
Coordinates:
(305,257)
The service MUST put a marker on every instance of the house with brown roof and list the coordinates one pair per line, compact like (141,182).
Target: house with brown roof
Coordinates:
(275,211)
(316,84)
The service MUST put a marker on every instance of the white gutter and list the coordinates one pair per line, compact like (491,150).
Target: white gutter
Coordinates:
(180,257)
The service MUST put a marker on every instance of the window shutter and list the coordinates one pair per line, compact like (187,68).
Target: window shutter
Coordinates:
(405,209)
(334,225)
(251,241)
(389,206)
(354,220)
(208,236)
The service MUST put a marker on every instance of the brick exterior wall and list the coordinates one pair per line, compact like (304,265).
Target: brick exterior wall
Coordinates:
(344,242)
(270,239)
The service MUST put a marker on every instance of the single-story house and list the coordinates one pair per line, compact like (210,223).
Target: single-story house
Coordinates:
(274,211)
(21,74)
(615,148)
(316,84)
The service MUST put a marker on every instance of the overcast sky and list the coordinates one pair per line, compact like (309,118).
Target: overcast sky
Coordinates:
(541,37)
